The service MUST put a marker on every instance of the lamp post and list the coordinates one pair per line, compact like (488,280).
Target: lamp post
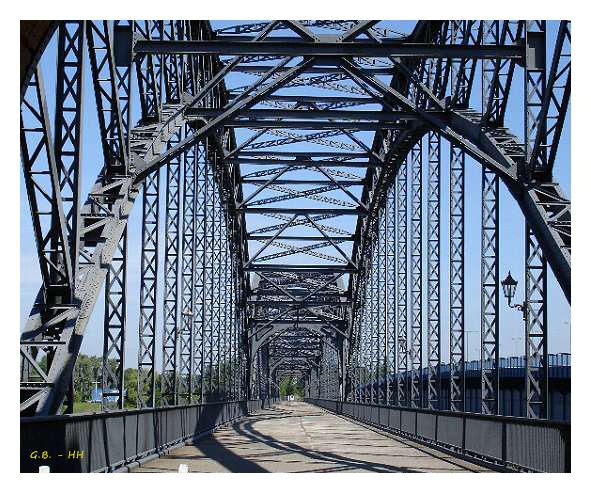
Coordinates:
(509,286)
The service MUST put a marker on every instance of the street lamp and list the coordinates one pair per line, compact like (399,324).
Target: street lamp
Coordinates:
(509,286)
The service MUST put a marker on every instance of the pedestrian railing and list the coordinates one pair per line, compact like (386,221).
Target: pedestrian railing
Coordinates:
(511,442)
(116,440)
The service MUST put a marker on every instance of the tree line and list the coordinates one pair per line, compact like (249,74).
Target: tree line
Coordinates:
(291,386)
(88,375)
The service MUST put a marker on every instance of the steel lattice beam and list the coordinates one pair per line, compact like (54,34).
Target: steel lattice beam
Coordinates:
(170,334)
(295,47)
(457,382)
(536,329)
(433,274)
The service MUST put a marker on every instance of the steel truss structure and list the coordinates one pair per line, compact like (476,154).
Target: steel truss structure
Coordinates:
(288,233)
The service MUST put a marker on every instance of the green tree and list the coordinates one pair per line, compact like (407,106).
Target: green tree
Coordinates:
(87,374)
(298,388)
(286,386)
(130,385)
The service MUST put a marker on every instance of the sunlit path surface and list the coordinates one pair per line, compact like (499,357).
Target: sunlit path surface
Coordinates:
(299,437)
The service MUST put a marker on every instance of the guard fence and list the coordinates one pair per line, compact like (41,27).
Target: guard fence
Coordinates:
(119,440)
(514,443)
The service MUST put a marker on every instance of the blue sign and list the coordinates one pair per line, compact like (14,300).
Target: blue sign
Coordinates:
(97,395)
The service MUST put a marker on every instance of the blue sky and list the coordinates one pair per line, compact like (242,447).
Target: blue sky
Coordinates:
(512,224)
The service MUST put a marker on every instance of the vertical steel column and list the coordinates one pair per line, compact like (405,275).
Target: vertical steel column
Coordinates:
(123,82)
(323,371)
(148,291)
(373,322)
(433,269)
(200,257)
(497,74)
(156,33)
(254,392)
(238,314)
(170,331)
(402,286)
(361,343)
(67,146)
(222,297)
(327,377)
(416,341)
(329,368)
(490,35)
(318,383)
(228,266)
(147,83)
(104,77)
(231,305)
(556,100)
(366,344)
(489,353)
(230,262)
(382,304)
(535,90)
(114,329)
(171,270)
(356,361)
(334,374)
(112,84)
(462,74)
(489,339)
(172,80)
(457,382)
(208,312)
(536,329)
(68,127)
(242,342)
(186,371)
(463,70)
(227,298)
(123,85)
(216,288)
(259,373)
(234,319)
(188,77)
(390,273)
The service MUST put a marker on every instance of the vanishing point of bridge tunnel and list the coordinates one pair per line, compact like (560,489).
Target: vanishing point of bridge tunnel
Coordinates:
(295,246)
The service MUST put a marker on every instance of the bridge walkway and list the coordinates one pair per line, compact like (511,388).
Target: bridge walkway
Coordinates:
(299,437)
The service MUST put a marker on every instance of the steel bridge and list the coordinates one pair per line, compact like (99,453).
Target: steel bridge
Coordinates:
(299,194)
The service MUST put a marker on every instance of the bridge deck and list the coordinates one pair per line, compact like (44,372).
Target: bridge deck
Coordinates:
(299,437)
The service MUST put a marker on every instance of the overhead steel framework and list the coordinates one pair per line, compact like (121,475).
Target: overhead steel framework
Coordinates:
(286,230)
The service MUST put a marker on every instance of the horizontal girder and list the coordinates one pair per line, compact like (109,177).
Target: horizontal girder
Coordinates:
(297,47)
(307,114)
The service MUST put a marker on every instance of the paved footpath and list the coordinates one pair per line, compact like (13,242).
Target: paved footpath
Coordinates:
(299,437)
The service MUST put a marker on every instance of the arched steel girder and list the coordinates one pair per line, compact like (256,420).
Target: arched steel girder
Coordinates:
(105,223)
(274,331)
(544,205)
(291,363)
(337,342)
(76,317)
(494,148)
